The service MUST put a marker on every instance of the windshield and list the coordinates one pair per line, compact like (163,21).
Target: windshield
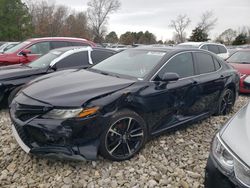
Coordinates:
(45,60)
(134,63)
(240,57)
(17,47)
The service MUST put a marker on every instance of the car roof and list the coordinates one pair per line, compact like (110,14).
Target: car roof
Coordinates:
(80,48)
(60,39)
(167,49)
(197,44)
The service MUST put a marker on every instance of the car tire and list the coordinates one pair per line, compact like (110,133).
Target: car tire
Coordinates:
(13,94)
(124,137)
(226,102)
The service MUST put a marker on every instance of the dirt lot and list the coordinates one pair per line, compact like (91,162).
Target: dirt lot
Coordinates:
(176,159)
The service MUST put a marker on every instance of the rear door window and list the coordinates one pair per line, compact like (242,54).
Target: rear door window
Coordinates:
(204,63)
(213,48)
(222,49)
(79,59)
(98,55)
(59,44)
(79,44)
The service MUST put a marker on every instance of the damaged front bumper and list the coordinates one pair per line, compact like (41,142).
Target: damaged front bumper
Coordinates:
(73,139)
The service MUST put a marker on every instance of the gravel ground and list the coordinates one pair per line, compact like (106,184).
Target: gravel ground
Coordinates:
(176,159)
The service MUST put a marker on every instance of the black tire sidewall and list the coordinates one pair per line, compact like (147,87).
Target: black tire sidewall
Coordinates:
(119,115)
(218,111)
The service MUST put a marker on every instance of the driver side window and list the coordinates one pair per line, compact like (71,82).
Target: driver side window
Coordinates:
(181,64)
(40,48)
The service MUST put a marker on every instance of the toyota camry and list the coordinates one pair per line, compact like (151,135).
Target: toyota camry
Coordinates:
(114,107)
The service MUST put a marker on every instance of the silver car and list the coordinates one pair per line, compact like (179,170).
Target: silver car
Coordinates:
(229,161)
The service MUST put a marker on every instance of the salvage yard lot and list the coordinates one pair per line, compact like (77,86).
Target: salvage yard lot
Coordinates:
(176,159)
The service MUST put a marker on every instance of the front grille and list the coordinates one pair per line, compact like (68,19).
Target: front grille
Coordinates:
(25,112)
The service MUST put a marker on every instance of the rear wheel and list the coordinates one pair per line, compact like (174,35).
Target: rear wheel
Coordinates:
(124,137)
(226,102)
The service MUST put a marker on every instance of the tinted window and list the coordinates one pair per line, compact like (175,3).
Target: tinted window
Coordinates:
(240,57)
(181,64)
(204,47)
(97,55)
(78,44)
(40,48)
(74,60)
(222,49)
(205,63)
(59,44)
(213,48)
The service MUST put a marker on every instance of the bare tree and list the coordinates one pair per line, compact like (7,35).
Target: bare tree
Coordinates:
(207,21)
(228,36)
(98,12)
(179,25)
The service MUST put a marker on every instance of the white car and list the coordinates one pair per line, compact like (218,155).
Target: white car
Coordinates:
(216,48)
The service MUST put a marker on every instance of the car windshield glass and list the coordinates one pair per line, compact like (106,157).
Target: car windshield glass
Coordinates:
(240,57)
(17,47)
(134,63)
(45,60)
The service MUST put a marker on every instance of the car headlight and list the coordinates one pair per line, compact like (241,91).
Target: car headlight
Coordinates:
(229,163)
(70,113)
(222,155)
(242,173)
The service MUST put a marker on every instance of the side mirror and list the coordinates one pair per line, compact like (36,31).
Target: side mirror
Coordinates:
(170,76)
(25,52)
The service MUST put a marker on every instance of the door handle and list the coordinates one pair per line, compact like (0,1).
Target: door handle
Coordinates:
(222,76)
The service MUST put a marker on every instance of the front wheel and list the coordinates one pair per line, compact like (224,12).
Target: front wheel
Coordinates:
(124,137)
(226,102)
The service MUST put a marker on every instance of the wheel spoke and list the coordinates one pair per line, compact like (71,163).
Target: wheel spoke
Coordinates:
(129,123)
(119,143)
(129,150)
(136,135)
(113,131)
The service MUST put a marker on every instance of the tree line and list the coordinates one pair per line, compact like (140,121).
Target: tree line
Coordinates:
(20,20)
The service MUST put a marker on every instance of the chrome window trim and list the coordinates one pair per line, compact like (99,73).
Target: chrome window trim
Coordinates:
(153,77)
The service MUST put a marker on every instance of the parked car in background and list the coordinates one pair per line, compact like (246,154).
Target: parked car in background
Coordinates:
(228,165)
(114,107)
(119,47)
(31,49)
(240,60)
(7,46)
(218,49)
(13,77)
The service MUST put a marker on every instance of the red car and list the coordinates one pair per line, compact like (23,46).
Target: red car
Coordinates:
(31,49)
(240,60)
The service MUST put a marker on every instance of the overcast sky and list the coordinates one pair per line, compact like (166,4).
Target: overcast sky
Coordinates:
(155,15)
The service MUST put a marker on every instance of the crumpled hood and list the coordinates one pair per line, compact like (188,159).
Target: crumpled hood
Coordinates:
(73,88)
(16,71)
(236,134)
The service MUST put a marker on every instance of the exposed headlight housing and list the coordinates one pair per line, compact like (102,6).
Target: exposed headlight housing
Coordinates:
(230,164)
(222,155)
(70,113)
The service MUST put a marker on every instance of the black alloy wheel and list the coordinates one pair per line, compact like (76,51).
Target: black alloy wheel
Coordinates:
(124,137)
(226,102)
